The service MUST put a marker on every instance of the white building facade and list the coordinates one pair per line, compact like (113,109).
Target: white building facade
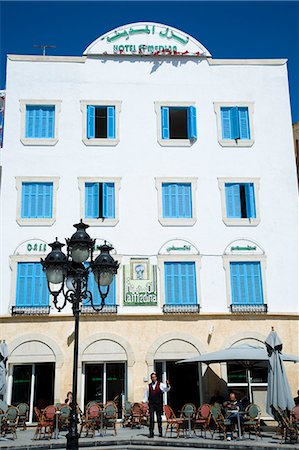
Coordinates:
(185,164)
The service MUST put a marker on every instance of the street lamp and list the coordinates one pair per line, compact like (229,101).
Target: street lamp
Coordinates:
(67,277)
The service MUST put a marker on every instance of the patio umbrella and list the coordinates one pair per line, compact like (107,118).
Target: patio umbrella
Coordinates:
(3,359)
(278,392)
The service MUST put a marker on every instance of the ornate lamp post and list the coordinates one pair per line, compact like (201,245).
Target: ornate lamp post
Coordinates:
(67,277)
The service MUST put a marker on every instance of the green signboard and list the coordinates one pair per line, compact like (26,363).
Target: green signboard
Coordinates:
(140,283)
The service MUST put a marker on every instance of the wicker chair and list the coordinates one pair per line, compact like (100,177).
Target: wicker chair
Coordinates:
(10,422)
(110,416)
(45,422)
(218,422)
(252,420)
(90,419)
(23,409)
(202,419)
(127,414)
(173,422)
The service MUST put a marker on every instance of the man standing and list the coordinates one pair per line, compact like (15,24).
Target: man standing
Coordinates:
(154,397)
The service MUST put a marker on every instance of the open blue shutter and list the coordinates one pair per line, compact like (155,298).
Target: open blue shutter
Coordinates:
(225,123)
(91,111)
(165,122)
(108,200)
(250,200)
(191,114)
(91,200)
(244,123)
(234,123)
(233,201)
(111,122)
(32,289)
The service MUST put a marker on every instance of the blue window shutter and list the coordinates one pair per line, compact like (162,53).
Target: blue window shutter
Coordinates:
(244,123)
(37,200)
(108,200)
(26,195)
(90,122)
(234,122)
(165,122)
(93,288)
(32,289)
(176,200)
(180,283)
(191,114)
(29,122)
(233,201)
(225,123)
(40,121)
(111,122)
(184,200)
(91,200)
(246,283)
(250,200)
(166,200)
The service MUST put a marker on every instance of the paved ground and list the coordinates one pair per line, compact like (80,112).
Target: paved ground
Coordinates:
(137,439)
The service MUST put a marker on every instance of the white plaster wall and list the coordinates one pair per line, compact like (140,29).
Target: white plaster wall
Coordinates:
(138,159)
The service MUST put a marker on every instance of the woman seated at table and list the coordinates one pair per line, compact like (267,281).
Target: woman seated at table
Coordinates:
(232,407)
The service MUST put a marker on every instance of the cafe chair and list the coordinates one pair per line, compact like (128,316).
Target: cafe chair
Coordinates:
(289,430)
(110,416)
(137,413)
(90,419)
(218,422)
(127,414)
(172,422)
(10,422)
(202,419)
(251,421)
(45,425)
(23,409)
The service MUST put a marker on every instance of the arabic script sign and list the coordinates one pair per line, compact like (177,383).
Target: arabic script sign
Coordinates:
(140,283)
(147,39)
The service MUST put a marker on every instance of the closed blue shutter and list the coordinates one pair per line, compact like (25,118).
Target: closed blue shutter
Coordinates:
(233,201)
(246,283)
(40,121)
(250,200)
(32,289)
(192,131)
(176,200)
(90,122)
(234,123)
(93,288)
(225,123)
(108,200)
(180,283)
(91,200)
(165,122)
(37,200)
(111,122)
(244,123)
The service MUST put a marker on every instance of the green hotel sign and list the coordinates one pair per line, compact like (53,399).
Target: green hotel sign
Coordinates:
(166,33)
(248,247)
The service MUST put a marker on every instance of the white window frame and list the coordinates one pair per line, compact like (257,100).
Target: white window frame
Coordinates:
(39,141)
(36,221)
(168,221)
(161,259)
(100,141)
(171,142)
(234,142)
(227,259)
(101,222)
(240,221)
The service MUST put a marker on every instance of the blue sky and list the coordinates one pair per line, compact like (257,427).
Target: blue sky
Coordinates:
(236,29)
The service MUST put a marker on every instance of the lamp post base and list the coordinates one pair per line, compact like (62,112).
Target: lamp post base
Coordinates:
(72,441)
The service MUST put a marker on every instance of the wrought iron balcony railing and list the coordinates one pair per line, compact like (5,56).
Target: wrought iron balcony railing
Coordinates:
(30,310)
(256,309)
(181,309)
(108,309)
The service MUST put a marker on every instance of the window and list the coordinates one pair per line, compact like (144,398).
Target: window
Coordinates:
(180,283)
(100,122)
(92,286)
(246,283)
(175,201)
(234,123)
(39,122)
(36,203)
(99,200)
(32,289)
(240,203)
(240,200)
(176,123)
(37,200)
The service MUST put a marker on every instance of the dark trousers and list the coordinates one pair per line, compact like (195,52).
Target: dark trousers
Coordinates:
(158,409)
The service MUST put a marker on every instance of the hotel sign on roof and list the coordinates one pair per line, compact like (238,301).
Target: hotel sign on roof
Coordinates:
(147,38)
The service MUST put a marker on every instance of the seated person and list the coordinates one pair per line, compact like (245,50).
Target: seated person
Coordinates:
(232,405)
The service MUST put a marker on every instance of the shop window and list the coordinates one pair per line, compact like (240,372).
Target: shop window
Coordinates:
(180,287)
(32,294)
(240,201)
(177,123)
(246,286)
(99,201)
(234,123)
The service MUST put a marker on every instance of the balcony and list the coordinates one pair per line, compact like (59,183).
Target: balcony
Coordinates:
(30,310)
(108,309)
(248,309)
(181,309)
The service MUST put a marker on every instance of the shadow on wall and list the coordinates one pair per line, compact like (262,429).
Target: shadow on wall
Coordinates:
(213,386)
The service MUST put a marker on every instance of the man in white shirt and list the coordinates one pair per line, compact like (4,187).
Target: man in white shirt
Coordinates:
(154,397)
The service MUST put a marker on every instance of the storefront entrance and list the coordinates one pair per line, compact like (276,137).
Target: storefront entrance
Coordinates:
(184,380)
(105,382)
(33,384)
